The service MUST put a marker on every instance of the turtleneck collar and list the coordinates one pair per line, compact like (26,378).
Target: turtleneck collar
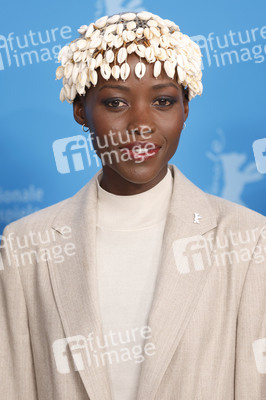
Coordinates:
(136,211)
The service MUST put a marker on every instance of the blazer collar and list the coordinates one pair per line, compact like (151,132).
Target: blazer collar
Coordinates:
(176,293)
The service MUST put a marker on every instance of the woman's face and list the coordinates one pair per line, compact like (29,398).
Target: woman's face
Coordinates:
(150,111)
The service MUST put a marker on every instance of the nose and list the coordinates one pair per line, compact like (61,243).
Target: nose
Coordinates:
(140,122)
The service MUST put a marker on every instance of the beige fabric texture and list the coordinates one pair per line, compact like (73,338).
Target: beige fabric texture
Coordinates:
(205,316)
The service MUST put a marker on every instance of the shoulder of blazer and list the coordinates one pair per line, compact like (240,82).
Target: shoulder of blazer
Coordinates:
(43,219)
(236,215)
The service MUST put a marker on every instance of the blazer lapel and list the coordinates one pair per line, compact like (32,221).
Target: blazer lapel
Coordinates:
(75,287)
(179,281)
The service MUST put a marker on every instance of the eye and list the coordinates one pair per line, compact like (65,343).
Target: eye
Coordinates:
(165,101)
(114,103)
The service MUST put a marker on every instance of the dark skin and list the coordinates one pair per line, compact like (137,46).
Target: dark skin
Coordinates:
(133,104)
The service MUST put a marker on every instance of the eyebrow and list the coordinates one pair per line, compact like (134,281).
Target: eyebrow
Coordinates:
(120,87)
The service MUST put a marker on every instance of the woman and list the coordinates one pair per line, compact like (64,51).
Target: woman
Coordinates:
(141,286)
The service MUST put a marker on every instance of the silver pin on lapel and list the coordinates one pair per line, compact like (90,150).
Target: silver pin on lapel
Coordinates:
(196,218)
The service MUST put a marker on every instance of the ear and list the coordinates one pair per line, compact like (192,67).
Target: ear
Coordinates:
(78,110)
(185,103)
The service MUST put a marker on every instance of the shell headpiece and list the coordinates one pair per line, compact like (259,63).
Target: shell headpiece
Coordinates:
(103,47)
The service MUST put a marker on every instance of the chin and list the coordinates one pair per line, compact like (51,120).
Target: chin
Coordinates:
(140,173)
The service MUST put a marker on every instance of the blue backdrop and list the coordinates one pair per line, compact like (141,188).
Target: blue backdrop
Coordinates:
(223,148)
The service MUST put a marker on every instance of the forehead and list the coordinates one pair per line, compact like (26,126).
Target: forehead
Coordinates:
(133,82)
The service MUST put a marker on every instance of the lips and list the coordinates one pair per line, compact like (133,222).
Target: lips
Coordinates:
(141,145)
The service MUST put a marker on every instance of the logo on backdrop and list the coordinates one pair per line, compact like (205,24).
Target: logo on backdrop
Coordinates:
(259,149)
(32,47)
(232,172)
(232,47)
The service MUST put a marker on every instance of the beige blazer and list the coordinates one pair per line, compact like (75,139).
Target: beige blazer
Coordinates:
(207,321)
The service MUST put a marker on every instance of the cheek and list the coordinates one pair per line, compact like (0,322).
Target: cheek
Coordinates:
(104,122)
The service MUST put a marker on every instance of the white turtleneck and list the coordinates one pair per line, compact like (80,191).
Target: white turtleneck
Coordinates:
(129,237)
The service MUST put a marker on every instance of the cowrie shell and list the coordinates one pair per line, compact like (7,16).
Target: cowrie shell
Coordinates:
(122,55)
(73,47)
(65,52)
(131,25)
(113,19)
(93,77)
(80,89)
(152,22)
(82,77)
(181,60)
(164,30)
(161,54)
(118,41)
(84,56)
(65,60)
(59,73)
(147,33)
(164,42)
(181,74)
(68,70)
(170,54)
(169,68)
(131,48)
(95,34)
(140,69)
(89,31)
(140,50)
(155,31)
(73,92)
(106,71)
(155,42)
(98,60)
(95,43)
(82,43)
(82,65)
(144,15)
(159,21)
(124,35)
(111,28)
(109,56)
(157,68)
(109,38)
(119,29)
(168,23)
(149,54)
(116,71)
(124,71)
(75,73)
(101,22)
(82,29)
(62,95)
(131,36)
(77,56)
(67,90)
(91,64)
(103,45)
(139,33)
(128,16)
